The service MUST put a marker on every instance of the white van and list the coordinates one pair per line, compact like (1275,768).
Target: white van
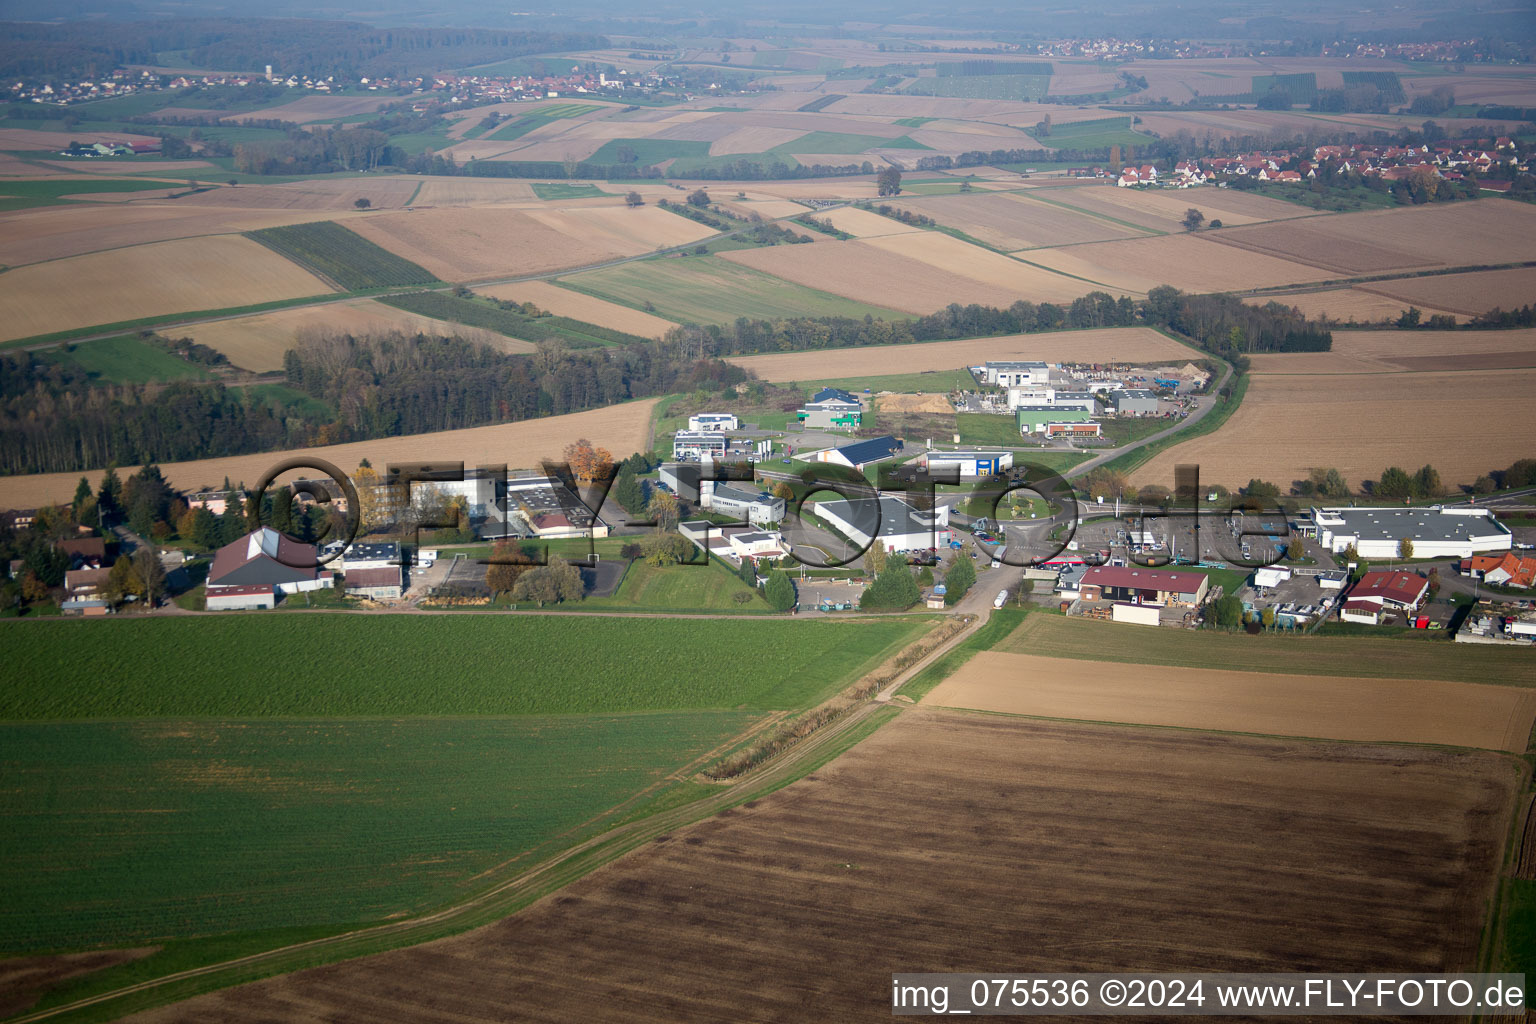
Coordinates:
(1001,599)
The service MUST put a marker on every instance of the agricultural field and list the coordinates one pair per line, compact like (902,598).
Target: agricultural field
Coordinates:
(216,272)
(461,244)
(1272,704)
(1110,344)
(1346,305)
(124,360)
(257,342)
(56,232)
(619,428)
(341,256)
(1163,211)
(578,306)
(567,190)
(310,109)
(1390,351)
(1333,420)
(1099,134)
(1188,262)
(894,855)
(1435,235)
(281,807)
(679,588)
(981,87)
(517,127)
(1467,294)
(1017,220)
(710,290)
(1057,636)
(918,272)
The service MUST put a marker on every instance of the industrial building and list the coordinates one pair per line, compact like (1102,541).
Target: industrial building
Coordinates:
(860,453)
(757,507)
(1034,419)
(699,444)
(1436,532)
(546,508)
(713,421)
(1052,398)
(831,409)
(1381,592)
(252,571)
(1134,402)
(893,521)
(1014,373)
(970,463)
(1136,585)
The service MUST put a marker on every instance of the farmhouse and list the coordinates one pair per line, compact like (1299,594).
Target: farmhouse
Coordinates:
(757,507)
(699,444)
(831,408)
(1378,592)
(973,463)
(1435,532)
(713,421)
(263,561)
(1135,585)
(861,453)
(896,523)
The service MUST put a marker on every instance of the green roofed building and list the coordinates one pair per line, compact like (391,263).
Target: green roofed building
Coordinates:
(1032,419)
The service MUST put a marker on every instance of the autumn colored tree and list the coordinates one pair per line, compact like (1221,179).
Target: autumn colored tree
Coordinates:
(148,575)
(33,589)
(588,463)
(665,509)
(508,563)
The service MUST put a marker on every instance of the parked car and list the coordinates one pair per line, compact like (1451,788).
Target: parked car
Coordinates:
(996,564)
(1001,599)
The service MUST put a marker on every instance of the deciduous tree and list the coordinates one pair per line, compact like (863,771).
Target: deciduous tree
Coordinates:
(508,563)
(148,575)
(1193,218)
(588,463)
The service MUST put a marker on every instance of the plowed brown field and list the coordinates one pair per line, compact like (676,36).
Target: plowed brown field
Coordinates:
(951,841)
(1287,425)
(1330,707)
(564,302)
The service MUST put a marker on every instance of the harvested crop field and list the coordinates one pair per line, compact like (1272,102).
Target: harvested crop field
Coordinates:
(317,108)
(1463,293)
(26,979)
(217,272)
(1335,708)
(864,224)
(619,428)
(21,139)
(258,342)
(1344,305)
(577,306)
(1438,235)
(56,232)
(474,244)
(1159,211)
(1347,422)
(917,272)
(947,841)
(1189,262)
(1109,344)
(1389,351)
(472,192)
(1014,220)
(336,194)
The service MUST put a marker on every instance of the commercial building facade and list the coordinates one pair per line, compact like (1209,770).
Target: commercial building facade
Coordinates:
(831,409)
(892,520)
(1378,533)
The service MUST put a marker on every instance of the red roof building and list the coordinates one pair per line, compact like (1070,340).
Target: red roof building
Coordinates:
(267,558)
(1137,585)
(1391,588)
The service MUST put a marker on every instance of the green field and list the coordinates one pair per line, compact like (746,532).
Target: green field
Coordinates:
(517,127)
(284,399)
(20,195)
(489,665)
(125,833)
(565,190)
(679,588)
(986,428)
(342,256)
(981,87)
(842,142)
(476,312)
(124,360)
(706,290)
(1128,431)
(1099,134)
(649,151)
(1054,636)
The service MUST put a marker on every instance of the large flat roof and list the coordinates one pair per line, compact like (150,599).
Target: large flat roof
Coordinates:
(1417,523)
(897,518)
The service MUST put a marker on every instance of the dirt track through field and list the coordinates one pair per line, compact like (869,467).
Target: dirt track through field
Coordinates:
(955,841)
(1398,710)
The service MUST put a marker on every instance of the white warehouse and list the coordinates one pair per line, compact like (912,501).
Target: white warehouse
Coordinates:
(901,526)
(1436,532)
(705,421)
